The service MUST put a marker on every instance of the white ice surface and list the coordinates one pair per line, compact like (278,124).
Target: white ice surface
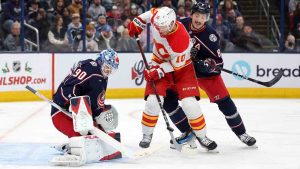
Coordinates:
(26,134)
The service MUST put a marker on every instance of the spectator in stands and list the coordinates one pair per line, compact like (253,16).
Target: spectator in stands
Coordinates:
(222,5)
(96,9)
(229,13)
(290,44)
(296,21)
(67,17)
(13,41)
(114,19)
(222,30)
(133,11)
(181,12)
(293,5)
(249,40)
(59,7)
(121,28)
(100,24)
(41,23)
(236,30)
(168,3)
(91,44)
(74,31)
(126,43)
(75,7)
(107,39)
(33,9)
(57,36)
(11,13)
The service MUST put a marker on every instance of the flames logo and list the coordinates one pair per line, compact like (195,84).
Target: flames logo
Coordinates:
(137,72)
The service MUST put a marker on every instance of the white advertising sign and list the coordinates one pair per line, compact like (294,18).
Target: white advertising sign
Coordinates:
(257,66)
(129,74)
(19,70)
(262,67)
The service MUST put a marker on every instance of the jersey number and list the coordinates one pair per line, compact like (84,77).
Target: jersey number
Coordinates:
(79,74)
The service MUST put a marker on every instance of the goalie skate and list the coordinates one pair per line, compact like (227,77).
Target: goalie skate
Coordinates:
(248,140)
(64,148)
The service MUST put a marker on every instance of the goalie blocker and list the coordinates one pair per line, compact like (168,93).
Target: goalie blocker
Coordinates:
(84,148)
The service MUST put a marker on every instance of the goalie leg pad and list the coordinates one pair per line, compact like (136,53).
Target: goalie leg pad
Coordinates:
(80,107)
(87,149)
(232,116)
(175,112)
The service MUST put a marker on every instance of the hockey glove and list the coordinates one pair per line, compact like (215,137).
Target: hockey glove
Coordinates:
(154,73)
(206,66)
(136,26)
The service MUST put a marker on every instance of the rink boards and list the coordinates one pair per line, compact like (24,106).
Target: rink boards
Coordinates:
(45,71)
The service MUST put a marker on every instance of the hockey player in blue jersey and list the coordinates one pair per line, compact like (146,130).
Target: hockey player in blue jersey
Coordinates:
(88,79)
(206,56)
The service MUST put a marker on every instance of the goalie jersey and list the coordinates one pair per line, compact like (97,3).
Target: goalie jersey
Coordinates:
(206,44)
(84,79)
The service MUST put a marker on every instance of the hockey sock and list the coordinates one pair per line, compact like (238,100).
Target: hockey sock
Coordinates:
(175,112)
(232,116)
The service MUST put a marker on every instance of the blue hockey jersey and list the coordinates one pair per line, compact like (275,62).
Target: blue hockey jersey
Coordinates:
(85,78)
(206,44)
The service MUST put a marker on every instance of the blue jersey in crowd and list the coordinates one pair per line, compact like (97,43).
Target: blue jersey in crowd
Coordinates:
(206,45)
(85,79)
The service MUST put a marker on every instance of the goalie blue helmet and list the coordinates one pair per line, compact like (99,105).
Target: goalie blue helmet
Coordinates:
(109,61)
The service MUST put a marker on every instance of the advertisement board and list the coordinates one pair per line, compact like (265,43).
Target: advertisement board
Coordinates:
(19,70)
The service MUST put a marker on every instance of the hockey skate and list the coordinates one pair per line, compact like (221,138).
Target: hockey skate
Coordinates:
(186,138)
(248,140)
(64,148)
(145,143)
(208,144)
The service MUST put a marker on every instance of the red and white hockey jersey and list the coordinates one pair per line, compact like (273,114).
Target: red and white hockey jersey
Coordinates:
(171,51)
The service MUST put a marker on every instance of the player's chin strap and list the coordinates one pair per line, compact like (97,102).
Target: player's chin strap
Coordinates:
(169,128)
(95,131)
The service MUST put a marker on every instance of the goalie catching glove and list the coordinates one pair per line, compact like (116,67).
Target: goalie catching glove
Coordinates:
(155,73)
(108,118)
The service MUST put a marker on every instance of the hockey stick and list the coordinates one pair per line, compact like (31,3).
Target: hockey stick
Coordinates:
(97,132)
(169,128)
(267,84)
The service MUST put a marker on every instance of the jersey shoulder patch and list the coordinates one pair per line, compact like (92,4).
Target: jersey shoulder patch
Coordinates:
(213,37)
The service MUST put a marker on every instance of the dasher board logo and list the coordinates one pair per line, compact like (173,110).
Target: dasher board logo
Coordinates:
(16,67)
(241,67)
(137,72)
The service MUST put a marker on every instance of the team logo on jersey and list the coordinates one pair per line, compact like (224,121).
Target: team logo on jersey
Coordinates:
(213,37)
(16,66)
(137,72)
(241,67)
(100,99)
(93,63)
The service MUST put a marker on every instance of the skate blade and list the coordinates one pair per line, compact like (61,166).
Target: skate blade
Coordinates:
(254,146)
(215,151)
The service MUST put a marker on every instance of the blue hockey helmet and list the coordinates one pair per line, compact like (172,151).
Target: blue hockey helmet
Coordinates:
(109,61)
(203,7)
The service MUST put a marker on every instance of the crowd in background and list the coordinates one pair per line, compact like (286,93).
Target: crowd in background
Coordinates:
(60,24)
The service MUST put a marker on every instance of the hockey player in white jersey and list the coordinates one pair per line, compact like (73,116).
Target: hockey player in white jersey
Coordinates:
(171,68)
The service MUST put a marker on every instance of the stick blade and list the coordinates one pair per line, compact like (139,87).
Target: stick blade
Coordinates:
(274,80)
